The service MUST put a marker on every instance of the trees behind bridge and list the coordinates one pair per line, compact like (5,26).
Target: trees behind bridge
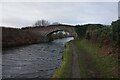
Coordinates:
(44,23)
(58,35)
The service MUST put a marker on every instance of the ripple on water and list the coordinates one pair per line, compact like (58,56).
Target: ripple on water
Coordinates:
(34,61)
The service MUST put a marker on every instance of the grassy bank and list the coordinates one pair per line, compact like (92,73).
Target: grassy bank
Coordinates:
(12,37)
(107,65)
(64,71)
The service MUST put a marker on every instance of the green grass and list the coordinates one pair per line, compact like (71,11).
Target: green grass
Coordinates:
(105,64)
(64,71)
(82,67)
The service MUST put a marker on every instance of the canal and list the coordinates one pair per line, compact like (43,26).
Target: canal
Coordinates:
(33,61)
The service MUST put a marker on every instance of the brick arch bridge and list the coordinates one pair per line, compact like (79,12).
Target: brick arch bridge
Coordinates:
(45,31)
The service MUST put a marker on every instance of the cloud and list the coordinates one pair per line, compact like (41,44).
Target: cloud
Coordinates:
(59,0)
(26,13)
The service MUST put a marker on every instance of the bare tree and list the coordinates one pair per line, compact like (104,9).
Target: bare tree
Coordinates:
(55,23)
(42,23)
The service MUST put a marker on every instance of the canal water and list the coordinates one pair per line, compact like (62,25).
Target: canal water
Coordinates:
(33,61)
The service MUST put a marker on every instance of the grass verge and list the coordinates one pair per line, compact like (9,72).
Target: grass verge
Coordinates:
(105,64)
(82,67)
(64,71)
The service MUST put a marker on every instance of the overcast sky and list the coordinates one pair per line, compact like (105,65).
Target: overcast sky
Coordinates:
(18,14)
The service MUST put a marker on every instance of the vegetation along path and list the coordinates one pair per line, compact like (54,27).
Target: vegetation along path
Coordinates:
(82,59)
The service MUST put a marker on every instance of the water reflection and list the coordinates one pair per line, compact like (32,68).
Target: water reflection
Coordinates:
(63,40)
(33,61)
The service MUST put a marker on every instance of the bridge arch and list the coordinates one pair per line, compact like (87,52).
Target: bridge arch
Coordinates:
(47,31)
(51,36)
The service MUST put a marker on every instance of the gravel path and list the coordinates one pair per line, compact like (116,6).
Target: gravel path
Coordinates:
(75,65)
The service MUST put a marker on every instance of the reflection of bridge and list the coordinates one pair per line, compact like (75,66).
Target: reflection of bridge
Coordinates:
(47,31)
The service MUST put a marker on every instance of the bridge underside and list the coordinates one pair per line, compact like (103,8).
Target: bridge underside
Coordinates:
(62,34)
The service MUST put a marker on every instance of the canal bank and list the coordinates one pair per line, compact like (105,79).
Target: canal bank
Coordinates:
(65,70)
(92,64)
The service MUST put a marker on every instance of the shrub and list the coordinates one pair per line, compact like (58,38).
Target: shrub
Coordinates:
(116,33)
